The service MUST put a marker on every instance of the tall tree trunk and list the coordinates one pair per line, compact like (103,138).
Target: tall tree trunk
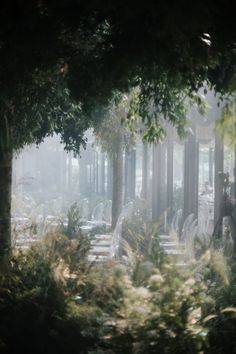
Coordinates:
(144,193)
(218,203)
(126,174)
(130,174)
(170,177)
(109,178)
(158,182)
(117,192)
(132,179)
(5,200)
(211,158)
(102,185)
(69,177)
(191,175)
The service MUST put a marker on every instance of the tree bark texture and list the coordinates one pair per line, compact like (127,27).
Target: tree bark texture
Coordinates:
(5,200)
(117,192)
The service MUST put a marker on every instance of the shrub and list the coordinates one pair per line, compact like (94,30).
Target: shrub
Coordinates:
(50,303)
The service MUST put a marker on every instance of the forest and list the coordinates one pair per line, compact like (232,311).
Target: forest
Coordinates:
(117,177)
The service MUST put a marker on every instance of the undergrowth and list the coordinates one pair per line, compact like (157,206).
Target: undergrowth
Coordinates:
(52,300)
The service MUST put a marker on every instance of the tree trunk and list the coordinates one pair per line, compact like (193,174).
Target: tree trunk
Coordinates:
(126,174)
(191,176)
(130,174)
(69,177)
(218,203)
(170,177)
(109,178)
(102,184)
(158,182)
(132,179)
(144,193)
(117,192)
(5,200)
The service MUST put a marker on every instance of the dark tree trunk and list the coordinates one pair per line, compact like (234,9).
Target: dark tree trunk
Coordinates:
(5,200)
(117,191)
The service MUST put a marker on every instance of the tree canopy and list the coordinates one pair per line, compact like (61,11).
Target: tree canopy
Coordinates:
(99,47)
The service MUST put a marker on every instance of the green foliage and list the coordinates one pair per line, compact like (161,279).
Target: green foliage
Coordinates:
(53,300)
(96,51)
(160,102)
(142,247)
(73,216)
(32,306)
(222,333)
(50,303)
(221,323)
(225,127)
(105,288)
(39,109)
(162,314)
(111,131)
(137,233)
(177,310)
(178,198)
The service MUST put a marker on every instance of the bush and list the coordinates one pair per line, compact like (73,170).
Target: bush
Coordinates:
(50,303)
(53,301)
